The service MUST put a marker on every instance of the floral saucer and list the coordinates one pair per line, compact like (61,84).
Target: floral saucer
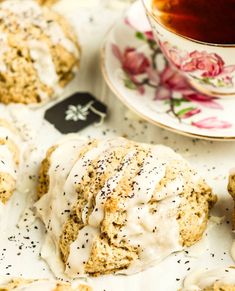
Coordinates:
(140,76)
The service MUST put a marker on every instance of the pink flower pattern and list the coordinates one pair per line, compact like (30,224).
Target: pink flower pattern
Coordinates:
(210,65)
(211,123)
(141,71)
(191,113)
(171,82)
(133,63)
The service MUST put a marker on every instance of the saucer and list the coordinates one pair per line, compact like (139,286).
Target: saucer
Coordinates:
(140,76)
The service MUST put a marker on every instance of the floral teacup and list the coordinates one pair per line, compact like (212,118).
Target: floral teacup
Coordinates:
(210,68)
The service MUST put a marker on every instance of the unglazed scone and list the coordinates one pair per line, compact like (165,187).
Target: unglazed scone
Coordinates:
(9,160)
(221,279)
(43,285)
(116,206)
(39,52)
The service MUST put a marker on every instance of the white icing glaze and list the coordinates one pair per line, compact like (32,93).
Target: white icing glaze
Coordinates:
(197,250)
(43,63)
(155,233)
(63,163)
(82,248)
(150,229)
(88,233)
(54,203)
(201,279)
(7,163)
(28,9)
(43,95)
(57,36)
(51,254)
(7,133)
(97,216)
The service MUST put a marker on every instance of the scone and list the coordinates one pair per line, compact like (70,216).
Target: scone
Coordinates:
(47,2)
(116,206)
(43,285)
(42,2)
(221,279)
(231,190)
(9,160)
(39,52)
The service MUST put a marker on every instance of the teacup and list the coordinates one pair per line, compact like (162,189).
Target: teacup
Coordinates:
(210,68)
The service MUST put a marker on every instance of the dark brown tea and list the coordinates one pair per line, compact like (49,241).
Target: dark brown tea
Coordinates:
(210,21)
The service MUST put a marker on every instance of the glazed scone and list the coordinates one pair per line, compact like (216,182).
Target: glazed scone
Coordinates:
(231,190)
(116,206)
(42,2)
(39,52)
(9,160)
(221,279)
(43,285)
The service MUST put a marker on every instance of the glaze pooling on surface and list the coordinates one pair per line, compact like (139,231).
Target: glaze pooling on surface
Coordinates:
(43,63)
(7,162)
(10,148)
(57,36)
(199,280)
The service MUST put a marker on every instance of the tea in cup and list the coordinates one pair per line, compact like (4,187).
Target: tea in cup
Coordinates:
(198,39)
